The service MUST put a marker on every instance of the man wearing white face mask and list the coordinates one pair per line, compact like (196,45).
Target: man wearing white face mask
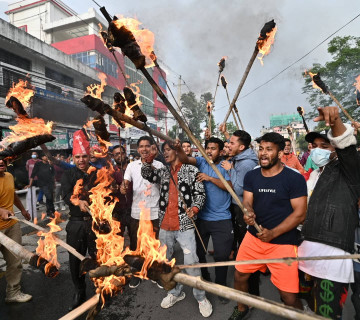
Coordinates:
(329,228)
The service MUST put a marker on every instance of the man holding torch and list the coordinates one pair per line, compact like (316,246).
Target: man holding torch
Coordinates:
(332,215)
(11,228)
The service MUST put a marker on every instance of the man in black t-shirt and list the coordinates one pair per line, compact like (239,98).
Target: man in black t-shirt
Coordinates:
(275,196)
(45,174)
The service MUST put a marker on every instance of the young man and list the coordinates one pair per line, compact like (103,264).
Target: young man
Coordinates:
(275,197)
(45,173)
(11,228)
(214,219)
(175,223)
(243,160)
(332,214)
(122,210)
(143,191)
(186,145)
(290,159)
(79,232)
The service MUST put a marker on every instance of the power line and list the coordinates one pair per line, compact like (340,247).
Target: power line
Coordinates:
(298,60)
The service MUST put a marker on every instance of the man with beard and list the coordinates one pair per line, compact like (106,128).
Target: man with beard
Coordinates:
(290,159)
(122,210)
(79,232)
(144,194)
(332,215)
(275,196)
(174,222)
(214,219)
(11,229)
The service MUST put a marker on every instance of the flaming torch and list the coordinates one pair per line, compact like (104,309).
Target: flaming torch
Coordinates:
(29,132)
(122,37)
(319,84)
(301,112)
(263,46)
(224,84)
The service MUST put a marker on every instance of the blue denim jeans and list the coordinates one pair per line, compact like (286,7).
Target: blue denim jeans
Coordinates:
(187,243)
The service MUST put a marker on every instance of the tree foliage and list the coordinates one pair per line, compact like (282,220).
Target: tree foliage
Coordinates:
(339,75)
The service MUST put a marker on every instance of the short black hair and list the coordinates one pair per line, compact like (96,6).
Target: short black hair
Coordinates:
(244,137)
(287,140)
(273,137)
(167,143)
(118,146)
(186,141)
(146,138)
(219,142)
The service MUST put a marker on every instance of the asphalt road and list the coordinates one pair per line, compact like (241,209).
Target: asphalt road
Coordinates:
(52,297)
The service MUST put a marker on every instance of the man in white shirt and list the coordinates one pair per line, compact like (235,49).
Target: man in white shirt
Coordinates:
(145,194)
(332,214)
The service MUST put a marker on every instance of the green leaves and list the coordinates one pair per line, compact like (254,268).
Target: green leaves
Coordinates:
(339,75)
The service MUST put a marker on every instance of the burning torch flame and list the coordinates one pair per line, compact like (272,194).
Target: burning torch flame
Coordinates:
(23,91)
(264,45)
(209,107)
(144,37)
(47,245)
(95,90)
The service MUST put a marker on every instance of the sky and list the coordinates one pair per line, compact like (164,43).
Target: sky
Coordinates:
(191,36)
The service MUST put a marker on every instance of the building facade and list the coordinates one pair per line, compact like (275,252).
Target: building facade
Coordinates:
(63,53)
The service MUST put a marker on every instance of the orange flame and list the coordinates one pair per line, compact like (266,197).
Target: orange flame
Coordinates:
(96,90)
(315,86)
(23,91)
(264,46)
(26,128)
(144,37)
(209,107)
(47,245)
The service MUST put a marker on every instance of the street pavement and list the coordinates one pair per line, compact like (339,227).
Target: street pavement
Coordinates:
(52,297)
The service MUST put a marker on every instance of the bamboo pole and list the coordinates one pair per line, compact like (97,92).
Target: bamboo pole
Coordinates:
(234,109)
(194,140)
(287,260)
(243,297)
(236,122)
(118,117)
(242,82)
(341,107)
(88,304)
(219,290)
(57,239)
(16,248)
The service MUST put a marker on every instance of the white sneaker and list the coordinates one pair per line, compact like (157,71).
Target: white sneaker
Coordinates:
(19,297)
(170,300)
(205,308)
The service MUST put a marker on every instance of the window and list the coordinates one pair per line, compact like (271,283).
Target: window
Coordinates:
(59,77)
(95,59)
(15,60)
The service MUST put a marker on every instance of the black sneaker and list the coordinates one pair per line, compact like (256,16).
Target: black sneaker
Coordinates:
(134,282)
(239,315)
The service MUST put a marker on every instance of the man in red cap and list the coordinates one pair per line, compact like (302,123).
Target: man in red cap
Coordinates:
(79,232)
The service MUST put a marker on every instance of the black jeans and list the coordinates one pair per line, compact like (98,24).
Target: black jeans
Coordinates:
(80,236)
(49,194)
(134,226)
(239,225)
(355,297)
(222,236)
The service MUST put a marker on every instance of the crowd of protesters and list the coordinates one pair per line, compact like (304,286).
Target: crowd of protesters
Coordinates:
(307,207)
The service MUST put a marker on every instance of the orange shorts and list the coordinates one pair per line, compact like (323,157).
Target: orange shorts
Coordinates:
(284,277)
